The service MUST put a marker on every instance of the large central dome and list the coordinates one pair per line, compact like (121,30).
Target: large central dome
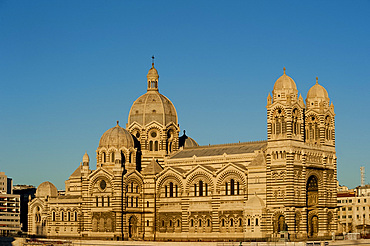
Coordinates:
(152,106)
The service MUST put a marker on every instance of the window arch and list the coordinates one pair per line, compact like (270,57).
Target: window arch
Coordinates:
(327,128)
(104,157)
(312,191)
(279,124)
(295,123)
(112,155)
(312,129)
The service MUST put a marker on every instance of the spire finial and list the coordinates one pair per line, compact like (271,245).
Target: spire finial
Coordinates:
(117,122)
(317,80)
(284,70)
(153,60)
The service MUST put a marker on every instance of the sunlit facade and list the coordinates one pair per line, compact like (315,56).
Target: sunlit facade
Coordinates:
(151,183)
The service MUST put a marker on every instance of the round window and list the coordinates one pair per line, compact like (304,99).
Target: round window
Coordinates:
(153,134)
(103,184)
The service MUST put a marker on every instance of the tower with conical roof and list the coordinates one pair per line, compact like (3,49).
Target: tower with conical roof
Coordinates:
(153,122)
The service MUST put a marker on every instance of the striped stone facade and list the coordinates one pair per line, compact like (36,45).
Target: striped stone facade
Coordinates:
(151,184)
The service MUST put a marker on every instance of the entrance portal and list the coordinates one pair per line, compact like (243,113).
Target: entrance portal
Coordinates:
(132,228)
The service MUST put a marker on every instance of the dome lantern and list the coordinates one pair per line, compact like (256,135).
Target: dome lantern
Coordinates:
(152,78)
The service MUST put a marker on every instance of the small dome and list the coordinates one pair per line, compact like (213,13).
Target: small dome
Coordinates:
(255,202)
(285,82)
(85,158)
(116,137)
(46,189)
(317,91)
(153,73)
(187,142)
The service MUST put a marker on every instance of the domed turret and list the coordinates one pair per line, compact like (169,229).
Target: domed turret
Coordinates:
(85,159)
(187,142)
(317,96)
(116,137)
(152,74)
(46,189)
(285,88)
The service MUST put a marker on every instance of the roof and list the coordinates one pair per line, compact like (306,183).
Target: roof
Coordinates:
(76,173)
(217,150)
(152,168)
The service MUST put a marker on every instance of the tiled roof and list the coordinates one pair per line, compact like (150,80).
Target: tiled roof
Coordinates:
(217,150)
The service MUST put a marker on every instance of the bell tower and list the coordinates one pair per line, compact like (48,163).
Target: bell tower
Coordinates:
(285,111)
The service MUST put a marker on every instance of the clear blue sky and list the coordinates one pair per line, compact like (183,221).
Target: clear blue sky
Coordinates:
(70,69)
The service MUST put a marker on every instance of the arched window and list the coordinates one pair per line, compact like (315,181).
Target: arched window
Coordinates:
(249,222)
(327,128)
(171,189)
(279,124)
(137,202)
(208,222)
(162,223)
(156,147)
(256,221)
(191,222)
(132,202)
(200,222)
(53,216)
(112,157)
(147,204)
(62,216)
(281,223)
(195,189)
(97,201)
(206,187)
(165,191)
(232,187)
(170,223)
(200,188)
(226,188)
(240,222)
(69,216)
(295,124)
(108,202)
(150,145)
(147,223)
(132,187)
(223,222)
(102,201)
(123,159)
(104,157)
(178,223)
(75,216)
(176,190)
(312,191)
(231,222)
(237,188)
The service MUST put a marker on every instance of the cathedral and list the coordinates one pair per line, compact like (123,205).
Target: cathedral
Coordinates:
(150,183)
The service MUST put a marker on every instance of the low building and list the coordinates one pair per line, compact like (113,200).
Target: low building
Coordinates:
(353,213)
